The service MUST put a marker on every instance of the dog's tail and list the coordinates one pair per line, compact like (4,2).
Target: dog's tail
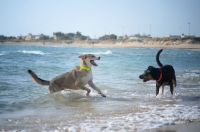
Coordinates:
(37,79)
(157,58)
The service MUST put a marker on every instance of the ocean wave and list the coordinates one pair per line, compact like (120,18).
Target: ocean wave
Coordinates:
(4,53)
(32,52)
(108,52)
(191,75)
(151,117)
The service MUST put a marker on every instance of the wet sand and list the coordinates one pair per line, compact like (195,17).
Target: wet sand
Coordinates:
(189,127)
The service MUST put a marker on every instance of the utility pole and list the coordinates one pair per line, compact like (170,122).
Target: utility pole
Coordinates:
(150,31)
(189,28)
(123,32)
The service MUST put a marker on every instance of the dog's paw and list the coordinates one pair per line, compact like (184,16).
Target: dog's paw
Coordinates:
(103,95)
(88,92)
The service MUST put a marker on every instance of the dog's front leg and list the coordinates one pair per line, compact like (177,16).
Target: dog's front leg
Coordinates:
(91,84)
(85,88)
(157,89)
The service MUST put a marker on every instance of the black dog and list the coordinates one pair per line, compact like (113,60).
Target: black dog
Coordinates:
(165,75)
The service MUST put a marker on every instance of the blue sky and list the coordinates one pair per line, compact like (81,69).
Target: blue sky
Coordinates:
(96,18)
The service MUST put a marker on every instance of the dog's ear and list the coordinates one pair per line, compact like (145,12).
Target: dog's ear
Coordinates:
(82,57)
(150,67)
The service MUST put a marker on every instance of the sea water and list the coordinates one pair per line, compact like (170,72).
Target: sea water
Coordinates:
(130,104)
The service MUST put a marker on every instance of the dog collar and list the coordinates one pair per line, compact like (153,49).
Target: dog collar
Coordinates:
(160,76)
(85,68)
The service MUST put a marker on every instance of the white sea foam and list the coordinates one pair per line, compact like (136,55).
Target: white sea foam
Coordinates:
(3,53)
(191,75)
(32,52)
(81,93)
(153,117)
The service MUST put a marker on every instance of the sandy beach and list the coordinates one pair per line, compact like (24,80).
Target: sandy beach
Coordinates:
(117,45)
(140,45)
(179,44)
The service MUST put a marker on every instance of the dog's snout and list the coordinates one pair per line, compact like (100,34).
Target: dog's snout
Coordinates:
(141,76)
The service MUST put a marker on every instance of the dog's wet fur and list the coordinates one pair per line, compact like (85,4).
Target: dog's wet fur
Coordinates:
(165,75)
(75,79)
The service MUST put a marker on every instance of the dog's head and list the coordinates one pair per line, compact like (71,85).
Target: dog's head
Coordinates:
(147,75)
(89,59)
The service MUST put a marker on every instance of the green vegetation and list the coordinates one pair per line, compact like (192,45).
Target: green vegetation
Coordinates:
(108,37)
(44,37)
(70,36)
(5,39)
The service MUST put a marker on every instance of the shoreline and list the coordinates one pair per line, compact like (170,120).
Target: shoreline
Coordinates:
(112,45)
(186,127)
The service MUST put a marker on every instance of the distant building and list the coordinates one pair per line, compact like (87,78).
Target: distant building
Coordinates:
(138,36)
(133,38)
(180,36)
(120,37)
(172,36)
(35,37)
(54,37)
(187,36)
(29,37)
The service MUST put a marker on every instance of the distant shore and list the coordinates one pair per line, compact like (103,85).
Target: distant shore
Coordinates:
(146,43)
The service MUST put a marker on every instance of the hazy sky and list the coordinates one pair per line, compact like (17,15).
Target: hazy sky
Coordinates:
(96,18)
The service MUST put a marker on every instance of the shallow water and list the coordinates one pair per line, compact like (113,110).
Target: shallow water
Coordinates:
(130,104)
